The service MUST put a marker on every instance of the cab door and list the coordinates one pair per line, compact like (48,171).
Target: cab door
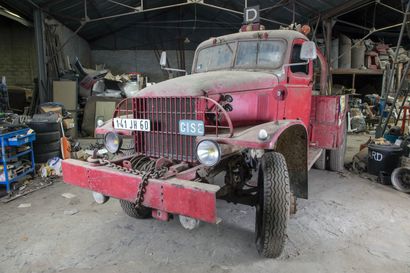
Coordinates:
(299,86)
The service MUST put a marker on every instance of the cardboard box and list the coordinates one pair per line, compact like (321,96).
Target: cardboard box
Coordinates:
(68,123)
(65,92)
(55,109)
(79,155)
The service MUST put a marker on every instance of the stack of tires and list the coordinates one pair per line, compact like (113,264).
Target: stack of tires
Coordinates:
(47,144)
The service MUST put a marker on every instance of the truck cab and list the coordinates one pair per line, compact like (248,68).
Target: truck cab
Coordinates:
(249,111)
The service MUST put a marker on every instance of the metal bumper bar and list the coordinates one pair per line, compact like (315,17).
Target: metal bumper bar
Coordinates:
(188,198)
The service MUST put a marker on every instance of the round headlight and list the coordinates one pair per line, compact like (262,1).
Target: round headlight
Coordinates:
(112,142)
(208,152)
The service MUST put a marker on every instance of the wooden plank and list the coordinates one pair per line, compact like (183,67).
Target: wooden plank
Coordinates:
(345,71)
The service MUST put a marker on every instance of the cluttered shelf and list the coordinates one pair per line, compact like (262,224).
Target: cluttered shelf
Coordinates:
(7,159)
(351,71)
(15,143)
(19,176)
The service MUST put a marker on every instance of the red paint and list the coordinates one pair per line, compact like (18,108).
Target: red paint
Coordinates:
(403,121)
(160,215)
(327,121)
(193,199)
(270,99)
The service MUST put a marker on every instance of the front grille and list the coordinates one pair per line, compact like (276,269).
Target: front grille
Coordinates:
(164,139)
(165,113)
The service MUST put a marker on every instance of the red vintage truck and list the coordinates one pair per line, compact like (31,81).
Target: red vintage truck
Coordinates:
(249,111)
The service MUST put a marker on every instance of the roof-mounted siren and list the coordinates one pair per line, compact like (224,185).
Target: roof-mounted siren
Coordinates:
(251,20)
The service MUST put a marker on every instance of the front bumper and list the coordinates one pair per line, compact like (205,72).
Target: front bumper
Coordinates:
(188,198)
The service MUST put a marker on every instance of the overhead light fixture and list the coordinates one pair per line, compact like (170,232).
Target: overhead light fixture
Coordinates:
(14,16)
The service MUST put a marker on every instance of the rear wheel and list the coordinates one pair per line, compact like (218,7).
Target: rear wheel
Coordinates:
(273,208)
(130,209)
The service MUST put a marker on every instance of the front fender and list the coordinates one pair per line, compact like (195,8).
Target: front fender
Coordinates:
(288,137)
(248,138)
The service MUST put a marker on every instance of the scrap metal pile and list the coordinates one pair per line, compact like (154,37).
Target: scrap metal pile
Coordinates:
(103,83)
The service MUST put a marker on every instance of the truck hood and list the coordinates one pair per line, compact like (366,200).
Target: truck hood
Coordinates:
(214,82)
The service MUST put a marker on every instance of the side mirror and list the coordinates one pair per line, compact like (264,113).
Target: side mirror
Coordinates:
(163,64)
(163,60)
(308,51)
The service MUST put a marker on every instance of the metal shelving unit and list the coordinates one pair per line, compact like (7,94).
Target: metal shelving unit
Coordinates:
(16,139)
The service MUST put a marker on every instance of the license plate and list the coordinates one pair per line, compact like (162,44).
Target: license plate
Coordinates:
(132,124)
(191,127)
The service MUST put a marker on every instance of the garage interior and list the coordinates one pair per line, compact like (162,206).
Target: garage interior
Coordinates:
(71,69)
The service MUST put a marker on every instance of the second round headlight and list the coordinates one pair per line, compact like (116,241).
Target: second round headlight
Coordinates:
(208,152)
(112,142)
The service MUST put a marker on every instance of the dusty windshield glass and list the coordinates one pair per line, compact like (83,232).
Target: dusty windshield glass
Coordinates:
(249,54)
(215,57)
(262,54)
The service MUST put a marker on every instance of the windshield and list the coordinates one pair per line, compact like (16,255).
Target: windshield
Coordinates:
(216,57)
(249,54)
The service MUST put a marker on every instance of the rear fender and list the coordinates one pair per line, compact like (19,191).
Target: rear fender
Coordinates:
(288,137)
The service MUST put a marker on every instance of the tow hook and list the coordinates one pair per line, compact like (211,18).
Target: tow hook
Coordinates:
(188,222)
(94,158)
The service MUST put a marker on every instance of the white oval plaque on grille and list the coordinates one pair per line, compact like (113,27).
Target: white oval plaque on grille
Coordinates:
(191,127)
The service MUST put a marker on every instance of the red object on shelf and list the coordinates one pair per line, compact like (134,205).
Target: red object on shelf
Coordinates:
(403,123)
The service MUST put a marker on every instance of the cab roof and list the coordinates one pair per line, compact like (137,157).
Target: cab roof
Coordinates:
(288,35)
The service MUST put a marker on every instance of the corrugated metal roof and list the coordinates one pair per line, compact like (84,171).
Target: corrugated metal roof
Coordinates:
(169,28)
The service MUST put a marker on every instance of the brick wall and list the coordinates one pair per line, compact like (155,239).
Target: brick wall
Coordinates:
(17,53)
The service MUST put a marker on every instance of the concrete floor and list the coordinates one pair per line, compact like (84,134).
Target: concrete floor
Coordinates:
(349,224)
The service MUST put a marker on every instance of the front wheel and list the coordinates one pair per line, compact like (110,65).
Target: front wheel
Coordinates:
(272,210)
(130,209)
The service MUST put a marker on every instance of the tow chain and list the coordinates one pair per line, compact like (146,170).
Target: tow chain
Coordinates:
(146,175)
